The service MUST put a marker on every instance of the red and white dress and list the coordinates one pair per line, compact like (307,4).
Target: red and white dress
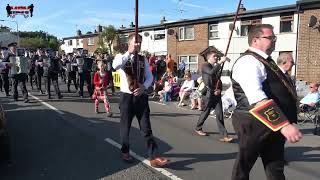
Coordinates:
(100,93)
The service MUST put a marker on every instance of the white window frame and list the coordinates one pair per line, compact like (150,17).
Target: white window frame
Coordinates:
(212,31)
(182,36)
(70,42)
(188,62)
(249,24)
(286,18)
(162,34)
(91,41)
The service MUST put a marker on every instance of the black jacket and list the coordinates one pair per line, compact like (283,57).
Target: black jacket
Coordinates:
(210,76)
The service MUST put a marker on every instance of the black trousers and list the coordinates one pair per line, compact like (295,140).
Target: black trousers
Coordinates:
(71,76)
(31,77)
(211,102)
(255,140)
(21,80)
(52,77)
(85,77)
(131,106)
(5,80)
(38,76)
(111,84)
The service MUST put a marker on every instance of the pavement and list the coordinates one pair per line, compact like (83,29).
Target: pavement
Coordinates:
(65,139)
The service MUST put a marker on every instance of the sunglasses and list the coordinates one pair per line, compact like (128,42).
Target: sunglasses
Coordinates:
(271,38)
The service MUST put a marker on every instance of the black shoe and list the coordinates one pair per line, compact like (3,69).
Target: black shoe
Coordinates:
(7,95)
(26,100)
(60,96)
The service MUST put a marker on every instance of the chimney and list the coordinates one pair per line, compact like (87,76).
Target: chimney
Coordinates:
(99,28)
(79,32)
(163,20)
(122,27)
(242,8)
(132,25)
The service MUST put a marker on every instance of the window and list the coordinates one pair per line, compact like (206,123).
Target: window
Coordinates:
(213,31)
(90,41)
(70,42)
(286,23)
(186,33)
(158,35)
(77,42)
(123,38)
(246,25)
(191,62)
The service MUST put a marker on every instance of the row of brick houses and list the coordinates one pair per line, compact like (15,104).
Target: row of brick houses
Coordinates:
(185,39)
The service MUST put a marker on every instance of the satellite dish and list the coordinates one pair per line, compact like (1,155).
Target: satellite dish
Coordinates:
(170,31)
(231,27)
(312,21)
(146,34)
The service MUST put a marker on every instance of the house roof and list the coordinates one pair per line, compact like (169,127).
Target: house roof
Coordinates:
(220,17)
(81,36)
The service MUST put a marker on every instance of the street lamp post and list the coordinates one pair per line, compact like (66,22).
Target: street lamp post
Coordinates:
(17,29)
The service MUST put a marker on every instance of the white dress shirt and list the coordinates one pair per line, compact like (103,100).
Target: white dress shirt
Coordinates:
(118,64)
(250,73)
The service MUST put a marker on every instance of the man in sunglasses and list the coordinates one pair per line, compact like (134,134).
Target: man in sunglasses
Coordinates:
(266,107)
(312,99)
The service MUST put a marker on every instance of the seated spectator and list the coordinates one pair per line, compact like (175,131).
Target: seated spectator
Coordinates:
(186,88)
(165,93)
(309,102)
(196,96)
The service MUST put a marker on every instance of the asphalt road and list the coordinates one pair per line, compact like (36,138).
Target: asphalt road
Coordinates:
(69,143)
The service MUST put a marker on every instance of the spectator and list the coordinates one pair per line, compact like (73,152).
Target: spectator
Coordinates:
(170,64)
(310,101)
(152,64)
(186,88)
(181,69)
(196,96)
(165,93)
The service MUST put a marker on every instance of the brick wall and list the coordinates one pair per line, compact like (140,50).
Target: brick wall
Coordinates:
(91,48)
(308,62)
(189,47)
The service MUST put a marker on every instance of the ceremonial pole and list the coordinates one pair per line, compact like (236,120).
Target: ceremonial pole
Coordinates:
(229,41)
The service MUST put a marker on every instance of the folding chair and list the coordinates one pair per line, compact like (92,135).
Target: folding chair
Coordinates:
(311,116)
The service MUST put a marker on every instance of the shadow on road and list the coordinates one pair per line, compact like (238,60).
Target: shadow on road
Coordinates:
(196,158)
(46,145)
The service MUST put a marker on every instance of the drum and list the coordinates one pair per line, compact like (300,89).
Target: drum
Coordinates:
(80,62)
(22,64)
(68,67)
(14,67)
(46,65)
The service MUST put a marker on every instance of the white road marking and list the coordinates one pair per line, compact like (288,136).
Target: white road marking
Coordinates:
(145,161)
(46,104)
(163,104)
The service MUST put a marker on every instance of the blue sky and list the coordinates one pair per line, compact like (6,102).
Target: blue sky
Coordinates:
(62,18)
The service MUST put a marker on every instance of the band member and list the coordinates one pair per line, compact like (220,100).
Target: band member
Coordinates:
(108,61)
(51,73)
(212,97)
(135,78)
(63,70)
(71,74)
(84,69)
(39,68)
(5,71)
(32,69)
(101,80)
(266,107)
(18,75)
